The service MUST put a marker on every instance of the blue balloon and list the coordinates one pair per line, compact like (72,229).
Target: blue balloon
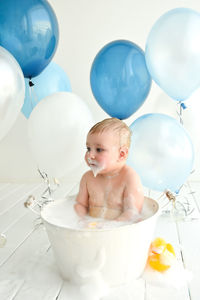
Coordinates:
(119,78)
(173,53)
(29,31)
(53,79)
(161,152)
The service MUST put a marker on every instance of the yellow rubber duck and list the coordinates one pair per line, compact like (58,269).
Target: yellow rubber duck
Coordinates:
(161,256)
(92,225)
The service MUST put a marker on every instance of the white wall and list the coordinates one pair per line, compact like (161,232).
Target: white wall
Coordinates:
(85,27)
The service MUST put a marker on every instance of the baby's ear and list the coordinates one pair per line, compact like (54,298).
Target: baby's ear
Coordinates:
(123,153)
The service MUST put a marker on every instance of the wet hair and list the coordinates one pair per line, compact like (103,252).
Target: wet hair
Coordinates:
(115,125)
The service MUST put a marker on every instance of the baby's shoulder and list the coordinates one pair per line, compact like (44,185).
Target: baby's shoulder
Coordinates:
(87,175)
(129,172)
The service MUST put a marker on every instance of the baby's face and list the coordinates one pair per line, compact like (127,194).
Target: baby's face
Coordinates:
(103,150)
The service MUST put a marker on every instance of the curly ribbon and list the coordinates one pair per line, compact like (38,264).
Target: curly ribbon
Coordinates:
(3,240)
(47,196)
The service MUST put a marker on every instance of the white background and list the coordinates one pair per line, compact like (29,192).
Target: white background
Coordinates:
(85,27)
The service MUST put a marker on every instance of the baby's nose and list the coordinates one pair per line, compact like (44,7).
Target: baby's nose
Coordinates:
(92,154)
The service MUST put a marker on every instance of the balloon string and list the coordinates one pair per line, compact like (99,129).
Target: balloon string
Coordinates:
(32,94)
(180,113)
(182,106)
(47,194)
(180,206)
(180,209)
(46,197)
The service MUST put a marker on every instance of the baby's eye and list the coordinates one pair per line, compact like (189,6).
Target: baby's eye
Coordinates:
(99,149)
(88,149)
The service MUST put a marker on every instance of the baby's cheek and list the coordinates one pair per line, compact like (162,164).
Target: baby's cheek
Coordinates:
(102,163)
(86,156)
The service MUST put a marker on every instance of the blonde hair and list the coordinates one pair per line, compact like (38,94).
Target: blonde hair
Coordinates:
(117,126)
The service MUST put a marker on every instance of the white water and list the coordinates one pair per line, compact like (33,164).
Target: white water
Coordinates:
(61,213)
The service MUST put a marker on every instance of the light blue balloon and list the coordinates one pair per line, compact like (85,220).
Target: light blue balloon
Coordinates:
(29,31)
(119,78)
(173,52)
(161,152)
(53,79)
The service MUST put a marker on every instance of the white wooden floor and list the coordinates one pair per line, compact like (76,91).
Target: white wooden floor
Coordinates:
(28,270)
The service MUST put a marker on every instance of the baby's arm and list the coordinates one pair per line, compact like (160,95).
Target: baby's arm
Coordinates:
(133,197)
(81,207)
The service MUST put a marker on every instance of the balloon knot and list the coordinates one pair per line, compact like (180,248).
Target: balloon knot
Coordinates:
(30,83)
(170,196)
(183,105)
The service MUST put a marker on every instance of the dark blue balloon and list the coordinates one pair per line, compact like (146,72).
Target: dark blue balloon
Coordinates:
(119,78)
(29,30)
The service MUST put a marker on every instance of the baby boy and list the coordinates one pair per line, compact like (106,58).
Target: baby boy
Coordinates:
(111,189)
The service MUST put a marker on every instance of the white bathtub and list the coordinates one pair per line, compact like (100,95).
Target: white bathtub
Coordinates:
(122,251)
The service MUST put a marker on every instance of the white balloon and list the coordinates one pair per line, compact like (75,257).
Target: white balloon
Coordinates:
(57,130)
(12,91)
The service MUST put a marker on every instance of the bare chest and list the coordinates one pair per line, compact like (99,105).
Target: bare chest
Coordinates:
(106,193)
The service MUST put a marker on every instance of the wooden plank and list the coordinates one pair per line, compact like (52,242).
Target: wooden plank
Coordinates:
(43,281)
(195,192)
(131,292)
(14,194)
(9,190)
(14,208)
(3,186)
(33,264)
(16,235)
(166,228)
(11,218)
(9,288)
(22,260)
(40,282)
(10,200)
(190,245)
(19,230)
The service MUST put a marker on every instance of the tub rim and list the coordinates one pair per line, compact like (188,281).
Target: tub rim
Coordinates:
(89,230)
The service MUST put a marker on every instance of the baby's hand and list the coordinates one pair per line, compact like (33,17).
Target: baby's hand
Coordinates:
(82,222)
(129,216)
